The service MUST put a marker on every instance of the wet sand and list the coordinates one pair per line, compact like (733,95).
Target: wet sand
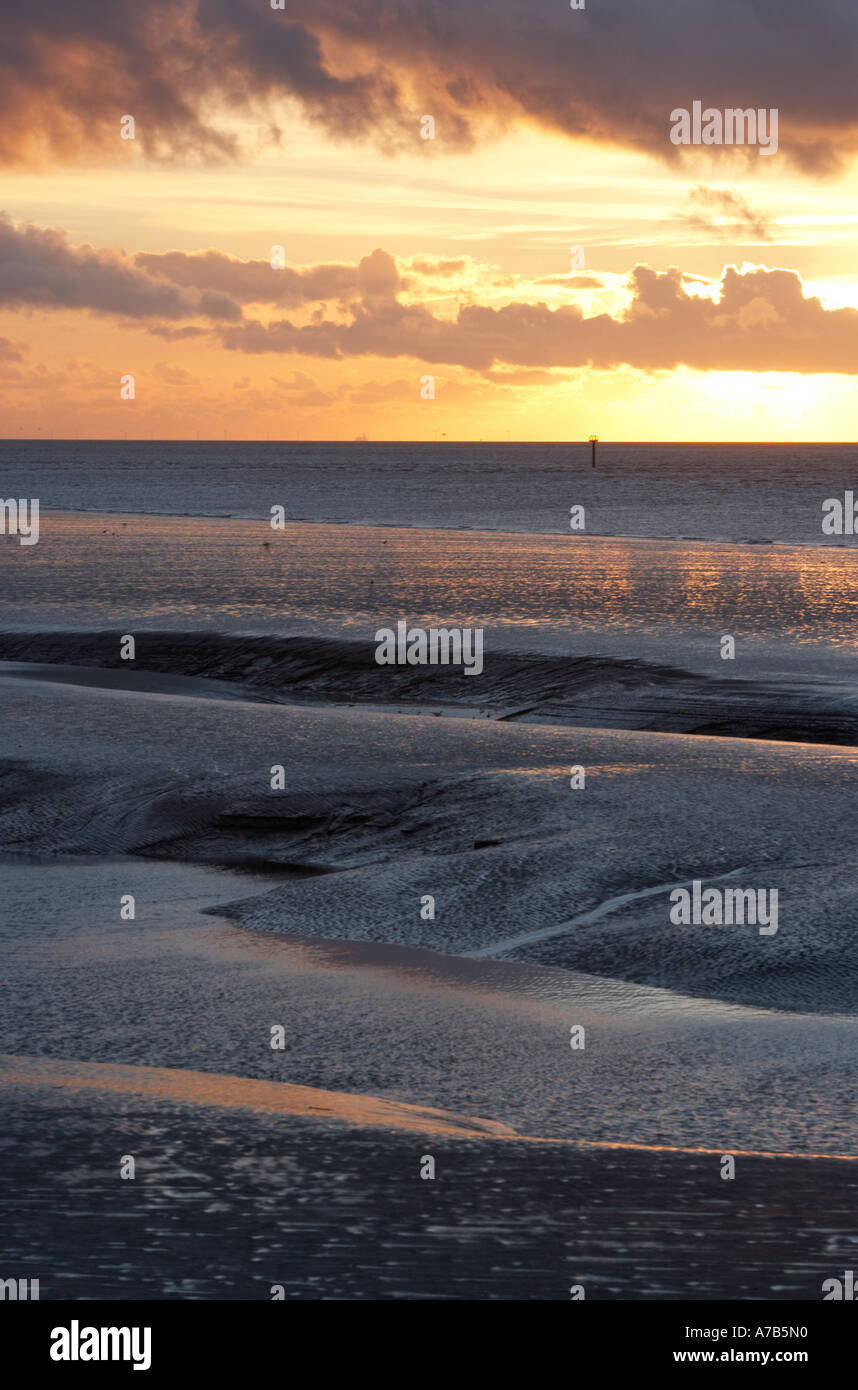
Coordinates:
(226,1204)
(407,1036)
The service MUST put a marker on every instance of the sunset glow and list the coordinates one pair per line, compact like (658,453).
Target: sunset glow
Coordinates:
(469,231)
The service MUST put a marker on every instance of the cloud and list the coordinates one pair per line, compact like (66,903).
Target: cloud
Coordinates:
(175,335)
(761,321)
(11,352)
(573,282)
(253,282)
(526,376)
(40,268)
(69,72)
(173,375)
(398,392)
(422,266)
(302,390)
(738,220)
(610,73)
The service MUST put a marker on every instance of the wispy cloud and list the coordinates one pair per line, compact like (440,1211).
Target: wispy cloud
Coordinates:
(726,215)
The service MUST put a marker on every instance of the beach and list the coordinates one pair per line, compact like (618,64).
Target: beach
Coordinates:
(576,1063)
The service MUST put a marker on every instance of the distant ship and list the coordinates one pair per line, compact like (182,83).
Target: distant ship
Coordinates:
(361,439)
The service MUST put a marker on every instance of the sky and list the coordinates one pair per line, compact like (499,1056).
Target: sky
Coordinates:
(402,219)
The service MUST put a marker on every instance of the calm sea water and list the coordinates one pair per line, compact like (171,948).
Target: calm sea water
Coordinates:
(731,492)
(177,536)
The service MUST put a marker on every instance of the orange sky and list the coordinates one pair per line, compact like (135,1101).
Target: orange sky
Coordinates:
(478,227)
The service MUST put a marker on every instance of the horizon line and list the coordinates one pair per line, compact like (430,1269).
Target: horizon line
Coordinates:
(436,443)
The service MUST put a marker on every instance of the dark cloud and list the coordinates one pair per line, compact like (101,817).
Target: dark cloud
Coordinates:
(40,269)
(258,282)
(174,335)
(738,221)
(251,282)
(611,72)
(761,321)
(69,71)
